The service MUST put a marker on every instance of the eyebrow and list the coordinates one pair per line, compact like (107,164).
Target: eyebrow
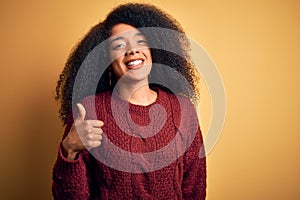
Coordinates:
(117,38)
(122,38)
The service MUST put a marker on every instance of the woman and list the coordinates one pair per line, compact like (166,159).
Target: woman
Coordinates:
(134,134)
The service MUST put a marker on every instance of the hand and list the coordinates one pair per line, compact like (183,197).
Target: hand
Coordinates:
(84,134)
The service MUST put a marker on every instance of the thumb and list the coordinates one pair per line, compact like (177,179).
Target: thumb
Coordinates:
(81,112)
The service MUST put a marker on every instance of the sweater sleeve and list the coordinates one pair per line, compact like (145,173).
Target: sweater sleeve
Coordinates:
(194,172)
(71,179)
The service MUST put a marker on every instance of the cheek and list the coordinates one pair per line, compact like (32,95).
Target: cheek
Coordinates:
(117,62)
(118,68)
(148,53)
(116,55)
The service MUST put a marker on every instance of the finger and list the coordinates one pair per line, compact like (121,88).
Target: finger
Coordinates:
(94,123)
(93,144)
(94,137)
(81,112)
(97,137)
(93,131)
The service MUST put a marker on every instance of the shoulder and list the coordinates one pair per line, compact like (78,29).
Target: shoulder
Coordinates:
(181,107)
(95,104)
(171,97)
(99,96)
(184,104)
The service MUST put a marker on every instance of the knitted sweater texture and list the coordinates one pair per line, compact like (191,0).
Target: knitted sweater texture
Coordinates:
(147,152)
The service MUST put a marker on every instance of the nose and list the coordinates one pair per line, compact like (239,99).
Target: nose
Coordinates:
(131,50)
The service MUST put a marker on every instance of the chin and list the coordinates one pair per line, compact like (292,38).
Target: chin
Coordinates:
(140,74)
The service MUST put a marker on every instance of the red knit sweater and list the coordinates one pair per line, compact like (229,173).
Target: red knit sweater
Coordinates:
(133,171)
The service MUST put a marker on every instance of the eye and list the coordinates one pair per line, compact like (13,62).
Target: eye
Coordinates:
(118,46)
(142,41)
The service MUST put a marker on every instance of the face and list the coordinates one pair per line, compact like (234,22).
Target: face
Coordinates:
(130,53)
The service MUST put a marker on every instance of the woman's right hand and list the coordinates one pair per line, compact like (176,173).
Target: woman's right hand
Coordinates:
(84,134)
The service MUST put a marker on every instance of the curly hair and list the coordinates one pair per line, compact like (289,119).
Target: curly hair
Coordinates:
(139,16)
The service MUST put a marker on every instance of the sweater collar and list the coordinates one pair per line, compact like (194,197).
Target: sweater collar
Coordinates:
(116,100)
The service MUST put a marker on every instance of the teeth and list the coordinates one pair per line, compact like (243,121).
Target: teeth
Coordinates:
(135,62)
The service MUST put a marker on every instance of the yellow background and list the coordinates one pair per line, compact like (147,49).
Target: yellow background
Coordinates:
(255,45)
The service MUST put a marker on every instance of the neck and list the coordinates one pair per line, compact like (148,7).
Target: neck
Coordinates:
(138,93)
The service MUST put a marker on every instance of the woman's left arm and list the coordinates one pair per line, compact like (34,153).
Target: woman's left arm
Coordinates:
(194,174)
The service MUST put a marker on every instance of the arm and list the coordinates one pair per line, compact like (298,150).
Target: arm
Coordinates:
(194,175)
(70,178)
(73,167)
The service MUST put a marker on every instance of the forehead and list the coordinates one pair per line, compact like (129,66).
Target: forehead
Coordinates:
(123,29)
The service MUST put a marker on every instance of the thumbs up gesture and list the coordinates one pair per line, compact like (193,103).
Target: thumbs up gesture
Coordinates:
(84,134)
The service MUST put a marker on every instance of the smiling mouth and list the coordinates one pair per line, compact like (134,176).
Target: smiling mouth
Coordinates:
(134,63)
